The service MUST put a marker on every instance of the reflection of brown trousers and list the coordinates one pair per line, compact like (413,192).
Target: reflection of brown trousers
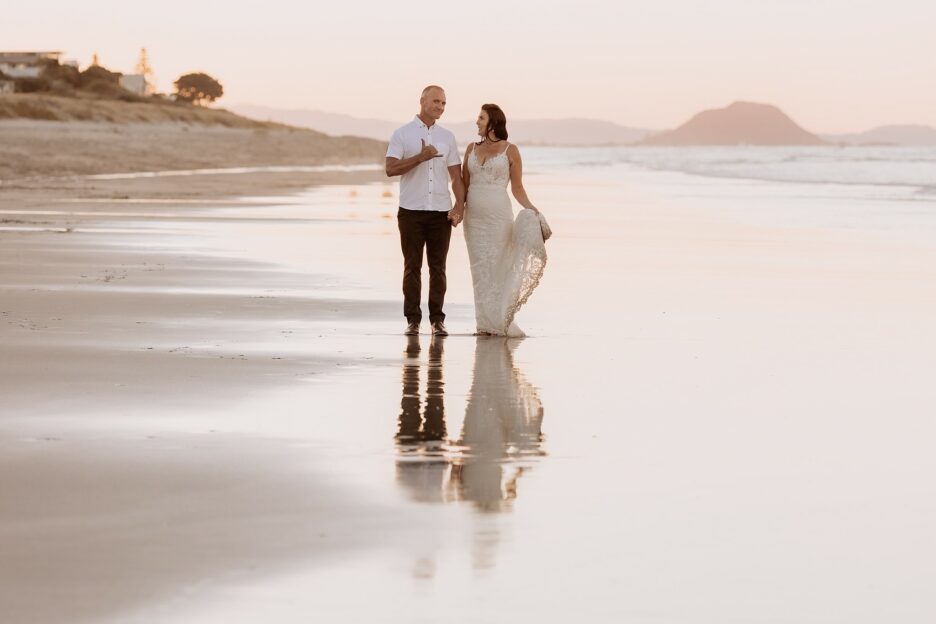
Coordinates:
(429,425)
(429,229)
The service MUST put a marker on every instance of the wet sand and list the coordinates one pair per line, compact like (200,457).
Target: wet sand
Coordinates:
(113,496)
(98,523)
(722,411)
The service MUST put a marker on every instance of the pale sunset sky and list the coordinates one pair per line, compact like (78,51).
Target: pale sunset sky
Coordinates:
(833,65)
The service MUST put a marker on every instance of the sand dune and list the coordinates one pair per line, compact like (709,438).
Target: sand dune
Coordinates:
(54,136)
(84,108)
(907,134)
(57,148)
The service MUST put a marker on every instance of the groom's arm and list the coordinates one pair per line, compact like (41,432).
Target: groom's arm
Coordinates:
(457,213)
(458,188)
(398,166)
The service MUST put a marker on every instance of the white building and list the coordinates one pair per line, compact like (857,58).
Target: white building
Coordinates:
(25,64)
(134,83)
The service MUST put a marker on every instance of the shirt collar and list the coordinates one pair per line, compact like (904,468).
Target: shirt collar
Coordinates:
(420,123)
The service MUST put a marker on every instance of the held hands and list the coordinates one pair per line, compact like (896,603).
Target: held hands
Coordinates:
(456,215)
(428,151)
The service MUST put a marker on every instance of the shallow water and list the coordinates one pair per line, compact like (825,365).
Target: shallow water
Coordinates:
(722,413)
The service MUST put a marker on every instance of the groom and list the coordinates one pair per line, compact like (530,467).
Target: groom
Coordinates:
(420,152)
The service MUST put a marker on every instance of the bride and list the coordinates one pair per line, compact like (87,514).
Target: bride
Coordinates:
(507,256)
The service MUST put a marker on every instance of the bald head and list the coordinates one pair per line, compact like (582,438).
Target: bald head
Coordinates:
(432,103)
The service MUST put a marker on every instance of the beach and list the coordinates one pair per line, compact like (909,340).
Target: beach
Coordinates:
(722,410)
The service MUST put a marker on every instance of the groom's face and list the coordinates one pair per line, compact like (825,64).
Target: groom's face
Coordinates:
(432,104)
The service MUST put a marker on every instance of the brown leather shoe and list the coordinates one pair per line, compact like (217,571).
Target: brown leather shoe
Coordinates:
(438,329)
(412,329)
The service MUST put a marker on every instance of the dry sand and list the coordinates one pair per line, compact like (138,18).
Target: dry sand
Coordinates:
(46,161)
(30,148)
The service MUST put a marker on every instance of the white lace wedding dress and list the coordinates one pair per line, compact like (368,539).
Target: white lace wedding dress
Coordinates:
(507,256)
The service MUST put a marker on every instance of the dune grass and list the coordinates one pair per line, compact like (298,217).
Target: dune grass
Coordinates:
(58,108)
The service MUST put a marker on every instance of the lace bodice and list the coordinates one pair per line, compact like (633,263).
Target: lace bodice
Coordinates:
(495,171)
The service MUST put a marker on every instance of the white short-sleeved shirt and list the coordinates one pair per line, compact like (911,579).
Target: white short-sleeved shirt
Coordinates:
(426,186)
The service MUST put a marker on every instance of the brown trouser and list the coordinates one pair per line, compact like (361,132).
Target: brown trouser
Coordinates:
(418,229)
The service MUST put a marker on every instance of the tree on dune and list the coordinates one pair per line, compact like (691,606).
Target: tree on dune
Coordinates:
(96,73)
(198,88)
(105,84)
(144,69)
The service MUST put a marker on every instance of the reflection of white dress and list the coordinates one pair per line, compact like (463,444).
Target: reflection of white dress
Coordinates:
(503,422)
(507,256)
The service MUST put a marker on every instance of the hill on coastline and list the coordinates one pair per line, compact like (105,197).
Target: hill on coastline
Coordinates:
(907,134)
(568,132)
(741,123)
(334,124)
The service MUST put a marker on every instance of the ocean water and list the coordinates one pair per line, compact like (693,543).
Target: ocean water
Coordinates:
(911,167)
(875,189)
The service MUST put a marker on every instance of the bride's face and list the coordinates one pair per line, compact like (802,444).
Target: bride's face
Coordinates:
(482,123)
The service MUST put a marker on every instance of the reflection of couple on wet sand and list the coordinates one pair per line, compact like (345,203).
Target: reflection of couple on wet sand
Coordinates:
(503,421)
(507,255)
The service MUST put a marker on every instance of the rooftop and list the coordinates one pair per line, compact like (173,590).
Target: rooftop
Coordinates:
(27,57)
